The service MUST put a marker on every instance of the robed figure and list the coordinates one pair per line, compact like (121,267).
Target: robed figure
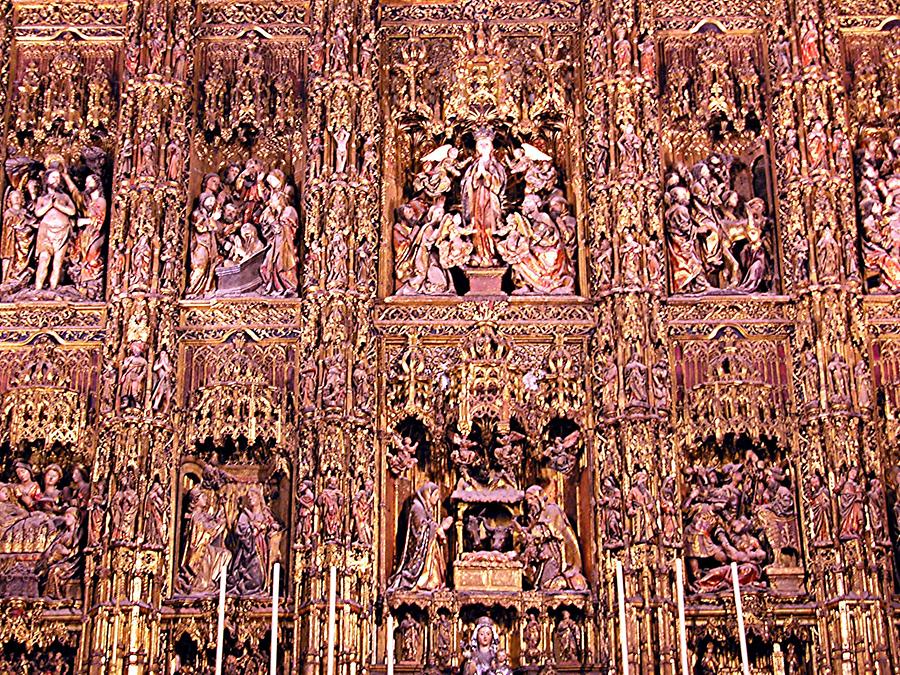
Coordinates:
(483,186)
(422,565)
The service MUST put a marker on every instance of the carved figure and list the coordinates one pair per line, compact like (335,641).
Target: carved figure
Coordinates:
(640,509)
(567,639)
(422,563)
(551,553)
(480,653)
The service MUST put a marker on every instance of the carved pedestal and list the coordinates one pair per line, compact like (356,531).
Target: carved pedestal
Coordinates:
(786,580)
(472,572)
(485,280)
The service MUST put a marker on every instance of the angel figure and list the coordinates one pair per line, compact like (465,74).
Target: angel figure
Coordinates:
(508,454)
(540,175)
(466,457)
(562,452)
(439,168)
(404,457)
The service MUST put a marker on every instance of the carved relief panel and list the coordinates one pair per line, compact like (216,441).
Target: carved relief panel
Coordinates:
(484,441)
(715,131)
(235,475)
(482,159)
(873,59)
(247,164)
(63,118)
(49,513)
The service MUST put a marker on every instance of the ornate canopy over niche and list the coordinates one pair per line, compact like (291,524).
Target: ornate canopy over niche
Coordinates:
(483,138)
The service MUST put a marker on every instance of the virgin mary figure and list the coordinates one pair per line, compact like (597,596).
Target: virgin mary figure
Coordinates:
(422,565)
(483,186)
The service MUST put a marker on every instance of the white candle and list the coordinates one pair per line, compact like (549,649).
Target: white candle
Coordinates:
(745,660)
(682,628)
(273,657)
(389,645)
(220,632)
(374,640)
(114,667)
(332,602)
(623,629)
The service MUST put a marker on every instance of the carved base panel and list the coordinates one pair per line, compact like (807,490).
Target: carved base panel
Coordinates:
(485,281)
(786,580)
(479,575)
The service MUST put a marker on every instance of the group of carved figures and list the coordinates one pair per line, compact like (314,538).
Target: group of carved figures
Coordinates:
(718,239)
(878,192)
(543,540)
(244,233)
(228,525)
(746,512)
(50,661)
(54,225)
(44,521)
(742,512)
(459,217)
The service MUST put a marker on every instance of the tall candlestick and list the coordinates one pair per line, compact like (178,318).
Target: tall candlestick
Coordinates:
(220,632)
(273,649)
(682,627)
(623,629)
(389,645)
(332,609)
(745,660)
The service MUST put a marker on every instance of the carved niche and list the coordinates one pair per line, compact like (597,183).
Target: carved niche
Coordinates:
(45,495)
(235,484)
(482,147)
(874,64)
(482,476)
(740,504)
(718,201)
(244,224)
(61,132)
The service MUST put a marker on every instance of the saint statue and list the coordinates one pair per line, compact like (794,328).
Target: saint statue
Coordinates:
(422,565)
(483,185)
(551,553)
(56,213)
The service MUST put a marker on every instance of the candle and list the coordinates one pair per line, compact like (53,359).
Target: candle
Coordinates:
(115,642)
(745,660)
(273,656)
(220,632)
(682,628)
(374,639)
(389,645)
(332,602)
(623,629)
